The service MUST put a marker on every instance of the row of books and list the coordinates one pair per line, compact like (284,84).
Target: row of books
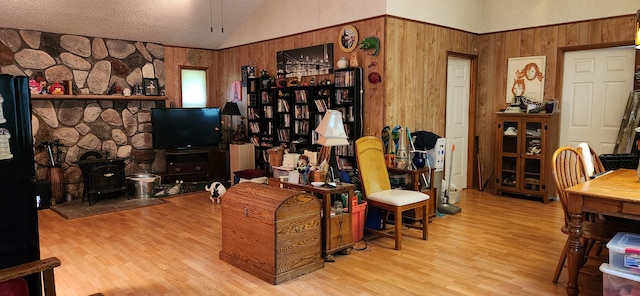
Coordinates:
(347,113)
(302,112)
(253,113)
(301,95)
(283,105)
(254,127)
(321,105)
(261,141)
(301,127)
(285,120)
(283,135)
(343,97)
(268,111)
(343,79)
(266,98)
(345,150)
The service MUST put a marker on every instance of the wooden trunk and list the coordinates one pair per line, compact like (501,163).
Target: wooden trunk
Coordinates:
(271,233)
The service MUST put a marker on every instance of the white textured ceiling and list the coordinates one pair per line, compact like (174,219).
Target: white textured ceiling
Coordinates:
(182,23)
(188,23)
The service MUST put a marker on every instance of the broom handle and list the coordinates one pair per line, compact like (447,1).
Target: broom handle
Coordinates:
(453,148)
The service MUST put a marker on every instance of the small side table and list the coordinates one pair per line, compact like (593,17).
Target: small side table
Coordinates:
(414,175)
(336,230)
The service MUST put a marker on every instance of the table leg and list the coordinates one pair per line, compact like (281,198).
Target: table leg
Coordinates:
(576,252)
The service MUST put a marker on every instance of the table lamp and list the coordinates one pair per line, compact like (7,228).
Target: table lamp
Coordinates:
(231,109)
(332,133)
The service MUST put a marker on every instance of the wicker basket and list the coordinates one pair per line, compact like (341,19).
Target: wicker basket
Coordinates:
(275,157)
(318,176)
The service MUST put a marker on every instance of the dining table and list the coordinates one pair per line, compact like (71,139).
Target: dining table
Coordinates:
(615,193)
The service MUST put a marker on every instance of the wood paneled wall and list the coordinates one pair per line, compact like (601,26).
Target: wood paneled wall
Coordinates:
(413,63)
(495,49)
(416,72)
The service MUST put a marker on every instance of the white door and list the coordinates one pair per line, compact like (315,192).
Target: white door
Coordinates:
(596,86)
(457,126)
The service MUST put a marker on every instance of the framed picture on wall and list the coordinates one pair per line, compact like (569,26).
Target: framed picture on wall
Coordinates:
(150,86)
(348,38)
(525,79)
(307,61)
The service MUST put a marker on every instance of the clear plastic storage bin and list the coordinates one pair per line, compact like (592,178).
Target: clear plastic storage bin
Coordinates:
(624,252)
(616,282)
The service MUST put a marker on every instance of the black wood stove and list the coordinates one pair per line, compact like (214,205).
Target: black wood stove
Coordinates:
(102,177)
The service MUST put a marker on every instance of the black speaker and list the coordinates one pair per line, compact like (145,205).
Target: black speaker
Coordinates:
(43,194)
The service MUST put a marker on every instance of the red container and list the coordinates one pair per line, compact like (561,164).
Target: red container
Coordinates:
(357,222)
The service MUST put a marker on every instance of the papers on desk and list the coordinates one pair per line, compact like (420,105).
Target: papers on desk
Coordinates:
(601,174)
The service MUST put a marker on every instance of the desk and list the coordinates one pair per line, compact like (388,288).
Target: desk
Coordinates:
(336,230)
(615,194)
(414,175)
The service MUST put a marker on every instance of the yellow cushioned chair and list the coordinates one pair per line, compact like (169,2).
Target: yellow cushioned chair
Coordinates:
(378,193)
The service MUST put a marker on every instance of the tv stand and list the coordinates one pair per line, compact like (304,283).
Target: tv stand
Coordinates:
(196,164)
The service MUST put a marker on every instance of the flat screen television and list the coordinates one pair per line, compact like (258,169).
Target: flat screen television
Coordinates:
(185,128)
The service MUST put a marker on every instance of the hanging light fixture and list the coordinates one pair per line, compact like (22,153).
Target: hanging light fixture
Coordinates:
(638,29)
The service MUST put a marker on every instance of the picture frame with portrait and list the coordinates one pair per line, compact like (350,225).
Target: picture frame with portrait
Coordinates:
(150,86)
(348,38)
(525,79)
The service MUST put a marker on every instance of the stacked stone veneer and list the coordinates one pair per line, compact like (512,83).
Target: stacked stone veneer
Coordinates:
(119,128)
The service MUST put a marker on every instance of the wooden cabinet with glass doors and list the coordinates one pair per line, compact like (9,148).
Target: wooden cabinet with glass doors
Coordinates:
(525,145)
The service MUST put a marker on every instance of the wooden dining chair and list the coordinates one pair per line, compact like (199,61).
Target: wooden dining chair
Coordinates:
(378,193)
(569,170)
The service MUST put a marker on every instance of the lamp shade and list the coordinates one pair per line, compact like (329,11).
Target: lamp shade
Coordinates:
(324,141)
(230,108)
(331,127)
(637,32)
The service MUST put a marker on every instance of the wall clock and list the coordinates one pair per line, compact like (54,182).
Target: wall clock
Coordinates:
(348,38)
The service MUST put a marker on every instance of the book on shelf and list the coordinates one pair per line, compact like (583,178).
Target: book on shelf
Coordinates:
(255,140)
(301,95)
(302,112)
(253,113)
(321,105)
(266,98)
(285,120)
(343,79)
(344,163)
(283,105)
(268,111)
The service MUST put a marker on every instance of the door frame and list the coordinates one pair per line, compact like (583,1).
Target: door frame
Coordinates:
(473,81)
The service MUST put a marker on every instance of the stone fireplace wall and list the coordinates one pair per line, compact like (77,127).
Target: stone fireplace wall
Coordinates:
(119,128)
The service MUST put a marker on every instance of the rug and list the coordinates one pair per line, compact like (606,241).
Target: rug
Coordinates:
(78,209)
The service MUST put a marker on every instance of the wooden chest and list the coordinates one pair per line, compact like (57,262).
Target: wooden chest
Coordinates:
(271,233)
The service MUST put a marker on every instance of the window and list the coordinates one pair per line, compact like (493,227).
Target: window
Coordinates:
(194,88)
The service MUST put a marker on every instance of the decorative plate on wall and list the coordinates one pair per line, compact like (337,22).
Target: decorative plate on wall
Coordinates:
(348,38)
(194,56)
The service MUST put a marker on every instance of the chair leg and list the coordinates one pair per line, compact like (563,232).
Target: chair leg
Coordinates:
(561,261)
(398,234)
(425,221)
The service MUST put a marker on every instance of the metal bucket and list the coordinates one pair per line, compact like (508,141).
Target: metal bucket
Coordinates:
(142,185)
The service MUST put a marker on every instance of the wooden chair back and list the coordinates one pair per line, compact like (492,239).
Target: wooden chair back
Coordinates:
(568,170)
(371,164)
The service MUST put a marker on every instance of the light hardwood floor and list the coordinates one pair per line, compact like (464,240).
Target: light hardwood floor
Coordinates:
(496,246)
